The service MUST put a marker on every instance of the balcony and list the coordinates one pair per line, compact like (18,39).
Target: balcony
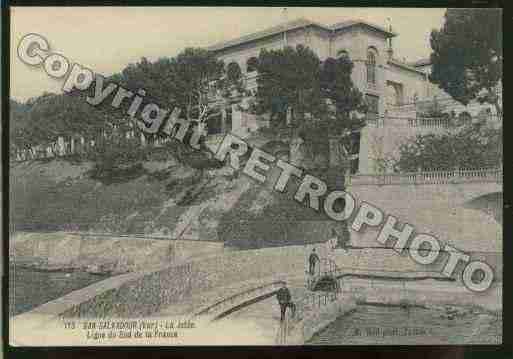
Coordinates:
(437,113)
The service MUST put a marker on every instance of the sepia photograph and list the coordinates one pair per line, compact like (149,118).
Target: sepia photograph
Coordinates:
(264,176)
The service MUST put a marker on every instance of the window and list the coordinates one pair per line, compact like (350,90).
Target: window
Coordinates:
(354,147)
(371,66)
(372,107)
(354,165)
(251,64)
(464,118)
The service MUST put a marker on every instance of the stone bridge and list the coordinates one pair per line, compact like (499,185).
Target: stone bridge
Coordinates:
(461,207)
(426,189)
(240,286)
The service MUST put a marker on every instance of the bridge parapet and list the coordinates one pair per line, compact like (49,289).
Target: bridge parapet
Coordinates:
(428,177)
(314,312)
(406,120)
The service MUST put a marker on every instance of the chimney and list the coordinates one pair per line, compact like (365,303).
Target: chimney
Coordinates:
(285,16)
(390,50)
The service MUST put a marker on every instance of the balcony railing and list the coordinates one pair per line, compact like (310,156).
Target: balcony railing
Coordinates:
(250,80)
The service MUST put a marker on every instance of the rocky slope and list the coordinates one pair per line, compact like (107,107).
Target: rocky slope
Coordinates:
(165,199)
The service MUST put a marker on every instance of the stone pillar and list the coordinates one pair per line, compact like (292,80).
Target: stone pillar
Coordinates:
(297,152)
(223,120)
(418,175)
(457,172)
(338,162)
(335,152)
(61,146)
(289,116)
(237,122)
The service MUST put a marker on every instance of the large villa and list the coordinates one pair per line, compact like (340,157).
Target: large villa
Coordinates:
(401,100)
(395,90)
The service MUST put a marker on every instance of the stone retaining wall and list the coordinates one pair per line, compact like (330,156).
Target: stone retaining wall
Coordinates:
(65,251)
(315,320)
(425,292)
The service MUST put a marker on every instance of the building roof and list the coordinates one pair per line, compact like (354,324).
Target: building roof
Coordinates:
(421,62)
(292,25)
(405,65)
(278,29)
(349,23)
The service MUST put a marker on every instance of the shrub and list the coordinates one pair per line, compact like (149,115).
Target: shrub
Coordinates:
(188,156)
(118,161)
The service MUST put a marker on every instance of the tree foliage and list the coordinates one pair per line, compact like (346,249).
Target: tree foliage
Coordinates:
(187,81)
(337,86)
(183,81)
(18,123)
(296,79)
(45,118)
(288,78)
(467,55)
(473,145)
(467,63)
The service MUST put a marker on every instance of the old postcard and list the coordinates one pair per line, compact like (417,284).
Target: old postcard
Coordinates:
(255,176)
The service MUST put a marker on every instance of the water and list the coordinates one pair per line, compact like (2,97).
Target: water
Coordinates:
(29,288)
(394,325)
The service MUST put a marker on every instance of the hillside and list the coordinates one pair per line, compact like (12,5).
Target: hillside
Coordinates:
(162,198)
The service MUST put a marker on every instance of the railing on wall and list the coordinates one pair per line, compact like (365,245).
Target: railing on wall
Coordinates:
(413,114)
(316,300)
(325,267)
(420,122)
(234,302)
(410,121)
(312,302)
(63,147)
(428,177)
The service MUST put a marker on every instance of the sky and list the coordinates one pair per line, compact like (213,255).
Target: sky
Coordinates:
(106,39)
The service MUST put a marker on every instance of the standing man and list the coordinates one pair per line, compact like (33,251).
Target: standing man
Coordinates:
(285,300)
(314,258)
(331,244)
(333,240)
(344,240)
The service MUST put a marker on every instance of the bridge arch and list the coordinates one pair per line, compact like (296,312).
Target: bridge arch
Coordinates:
(490,203)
